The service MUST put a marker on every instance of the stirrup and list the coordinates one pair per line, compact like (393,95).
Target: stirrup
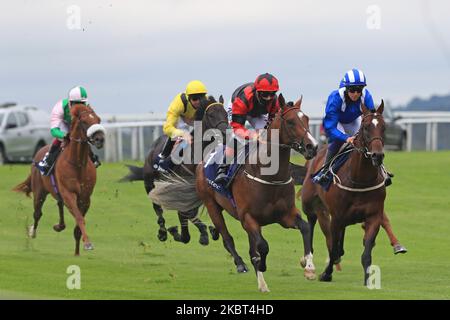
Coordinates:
(221,177)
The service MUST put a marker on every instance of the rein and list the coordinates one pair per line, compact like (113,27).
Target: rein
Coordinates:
(281,145)
(367,154)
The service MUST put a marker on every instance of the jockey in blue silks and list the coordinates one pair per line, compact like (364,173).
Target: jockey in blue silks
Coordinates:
(343,114)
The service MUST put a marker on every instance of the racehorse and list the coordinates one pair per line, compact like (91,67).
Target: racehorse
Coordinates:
(213,116)
(74,176)
(265,199)
(357,195)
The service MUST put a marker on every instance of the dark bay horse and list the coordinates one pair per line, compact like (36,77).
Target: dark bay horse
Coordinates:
(74,175)
(357,196)
(263,199)
(213,116)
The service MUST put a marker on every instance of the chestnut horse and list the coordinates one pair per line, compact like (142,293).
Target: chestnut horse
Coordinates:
(73,178)
(265,199)
(357,195)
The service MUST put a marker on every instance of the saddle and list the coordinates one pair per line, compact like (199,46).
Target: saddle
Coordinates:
(335,164)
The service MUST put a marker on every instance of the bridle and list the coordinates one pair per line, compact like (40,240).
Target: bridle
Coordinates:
(82,125)
(365,144)
(216,125)
(295,144)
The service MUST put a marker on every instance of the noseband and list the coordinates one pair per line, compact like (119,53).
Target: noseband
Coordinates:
(366,144)
(296,145)
(82,140)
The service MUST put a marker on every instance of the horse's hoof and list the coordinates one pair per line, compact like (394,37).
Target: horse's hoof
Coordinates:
(59,227)
(242,268)
(303,262)
(183,239)
(31,232)
(264,289)
(398,248)
(173,230)
(338,267)
(214,233)
(88,246)
(310,274)
(162,235)
(325,277)
(204,240)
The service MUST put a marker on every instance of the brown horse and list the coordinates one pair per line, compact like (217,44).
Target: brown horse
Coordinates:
(357,195)
(265,199)
(74,175)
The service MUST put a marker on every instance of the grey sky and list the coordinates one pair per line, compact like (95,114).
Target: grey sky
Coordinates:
(134,56)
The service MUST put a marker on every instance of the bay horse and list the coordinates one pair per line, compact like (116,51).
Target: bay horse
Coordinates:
(74,175)
(357,195)
(265,199)
(213,116)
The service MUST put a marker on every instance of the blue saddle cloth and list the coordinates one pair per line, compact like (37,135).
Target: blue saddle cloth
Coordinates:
(337,164)
(210,170)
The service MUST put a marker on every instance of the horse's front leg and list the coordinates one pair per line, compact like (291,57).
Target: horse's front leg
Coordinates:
(336,229)
(193,217)
(162,232)
(71,201)
(184,237)
(215,213)
(371,231)
(295,221)
(61,225)
(259,249)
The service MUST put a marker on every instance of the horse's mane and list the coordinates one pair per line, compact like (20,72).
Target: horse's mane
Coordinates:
(77,108)
(204,103)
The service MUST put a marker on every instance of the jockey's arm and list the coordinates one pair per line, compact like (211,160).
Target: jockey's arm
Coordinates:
(331,121)
(176,108)
(56,118)
(238,118)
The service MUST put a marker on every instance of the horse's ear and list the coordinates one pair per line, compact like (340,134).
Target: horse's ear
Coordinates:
(221,100)
(298,104)
(381,107)
(281,101)
(364,108)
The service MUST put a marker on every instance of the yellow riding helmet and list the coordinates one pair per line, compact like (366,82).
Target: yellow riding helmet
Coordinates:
(196,87)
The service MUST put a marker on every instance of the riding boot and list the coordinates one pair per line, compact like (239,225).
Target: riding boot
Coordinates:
(332,150)
(162,164)
(95,159)
(47,162)
(222,171)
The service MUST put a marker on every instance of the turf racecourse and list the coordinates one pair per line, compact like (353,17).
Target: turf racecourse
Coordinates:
(130,263)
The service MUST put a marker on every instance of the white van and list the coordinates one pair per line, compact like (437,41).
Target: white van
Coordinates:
(23,131)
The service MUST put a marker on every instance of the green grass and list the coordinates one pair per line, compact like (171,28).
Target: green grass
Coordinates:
(130,263)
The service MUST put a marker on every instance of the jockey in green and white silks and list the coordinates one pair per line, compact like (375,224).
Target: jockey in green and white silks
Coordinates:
(60,121)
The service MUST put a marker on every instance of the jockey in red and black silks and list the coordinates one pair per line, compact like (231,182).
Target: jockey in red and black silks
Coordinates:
(254,102)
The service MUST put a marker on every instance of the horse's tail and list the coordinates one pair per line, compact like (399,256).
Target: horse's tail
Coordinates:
(24,187)
(135,174)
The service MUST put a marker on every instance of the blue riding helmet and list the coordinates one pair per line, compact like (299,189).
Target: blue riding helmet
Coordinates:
(353,77)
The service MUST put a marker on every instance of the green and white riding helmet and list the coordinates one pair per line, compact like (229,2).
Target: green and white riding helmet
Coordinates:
(78,94)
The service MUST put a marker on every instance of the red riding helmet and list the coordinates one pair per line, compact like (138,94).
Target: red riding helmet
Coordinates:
(266,82)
